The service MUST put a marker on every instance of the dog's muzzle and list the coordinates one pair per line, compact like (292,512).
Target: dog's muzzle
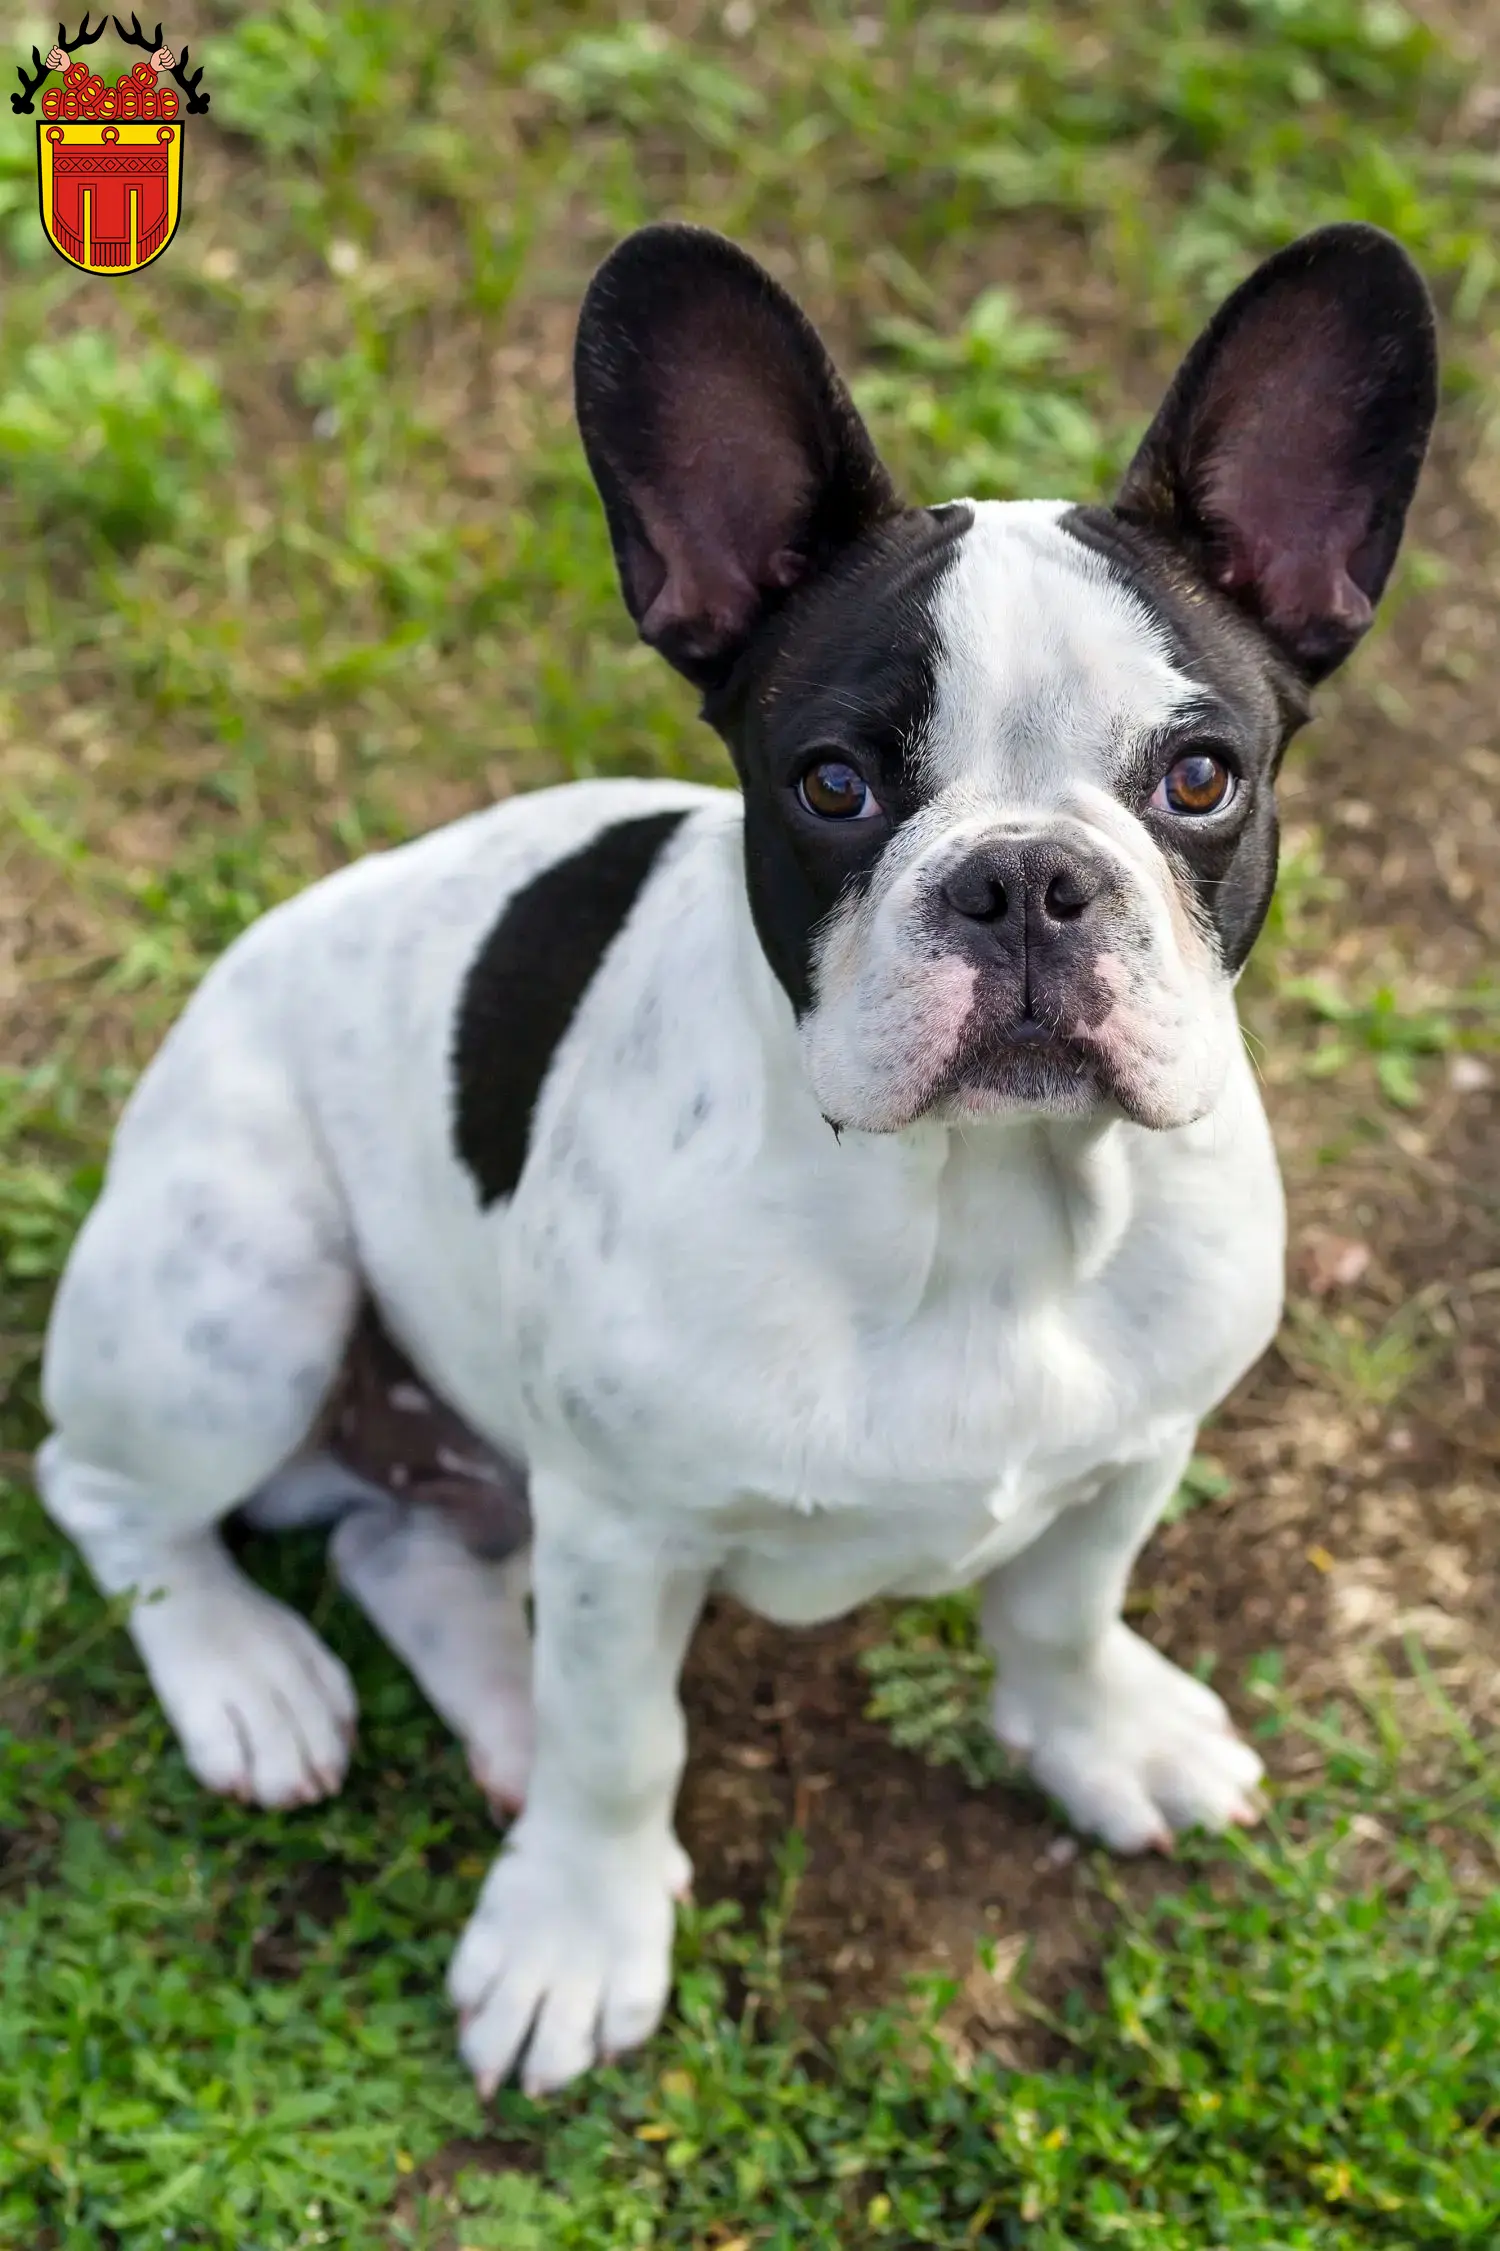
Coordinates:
(1032,913)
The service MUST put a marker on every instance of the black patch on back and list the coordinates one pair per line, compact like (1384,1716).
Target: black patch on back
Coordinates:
(525,984)
(848,669)
(1254,703)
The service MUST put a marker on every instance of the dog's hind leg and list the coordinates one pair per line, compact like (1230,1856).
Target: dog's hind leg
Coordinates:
(459,1622)
(198,1327)
(440,1563)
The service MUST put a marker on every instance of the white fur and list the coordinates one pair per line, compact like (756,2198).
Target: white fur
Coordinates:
(1050,663)
(730,1349)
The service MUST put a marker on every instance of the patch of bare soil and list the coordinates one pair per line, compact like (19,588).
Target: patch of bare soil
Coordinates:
(1361,1513)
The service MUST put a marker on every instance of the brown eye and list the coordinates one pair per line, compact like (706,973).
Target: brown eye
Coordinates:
(835,792)
(1197,784)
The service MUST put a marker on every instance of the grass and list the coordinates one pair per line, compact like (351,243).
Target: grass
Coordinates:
(1231,2040)
(300,555)
(216,2028)
(1397,1039)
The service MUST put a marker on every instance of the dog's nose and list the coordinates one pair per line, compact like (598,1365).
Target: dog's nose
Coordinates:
(1022,883)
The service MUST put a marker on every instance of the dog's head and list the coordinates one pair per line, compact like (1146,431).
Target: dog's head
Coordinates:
(1008,767)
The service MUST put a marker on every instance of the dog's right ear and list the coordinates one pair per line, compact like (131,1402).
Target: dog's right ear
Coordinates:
(728,454)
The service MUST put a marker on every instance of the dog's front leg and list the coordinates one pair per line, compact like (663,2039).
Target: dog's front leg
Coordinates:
(568,1955)
(1132,1747)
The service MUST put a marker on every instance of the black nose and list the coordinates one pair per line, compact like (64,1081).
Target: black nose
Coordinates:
(1023,882)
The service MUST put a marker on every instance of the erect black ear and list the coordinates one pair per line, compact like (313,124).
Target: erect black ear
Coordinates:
(727,452)
(1287,450)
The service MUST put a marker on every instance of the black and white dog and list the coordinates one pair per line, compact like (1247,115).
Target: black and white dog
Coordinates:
(855,1186)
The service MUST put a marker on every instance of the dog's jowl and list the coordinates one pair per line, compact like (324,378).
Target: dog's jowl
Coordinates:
(849,1185)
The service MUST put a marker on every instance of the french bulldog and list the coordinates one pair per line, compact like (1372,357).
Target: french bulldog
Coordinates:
(849,1185)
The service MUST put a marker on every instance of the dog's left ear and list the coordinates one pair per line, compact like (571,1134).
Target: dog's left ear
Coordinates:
(728,454)
(1287,450)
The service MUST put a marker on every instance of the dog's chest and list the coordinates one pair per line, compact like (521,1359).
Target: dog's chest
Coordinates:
(928,1458)
(884,1371)
(926,1452)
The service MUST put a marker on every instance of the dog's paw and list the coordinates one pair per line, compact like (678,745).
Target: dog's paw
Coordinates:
(1132,1748)
(567,1958)
(263,1711)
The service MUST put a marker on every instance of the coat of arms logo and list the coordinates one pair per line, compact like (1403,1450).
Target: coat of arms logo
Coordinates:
(109,157)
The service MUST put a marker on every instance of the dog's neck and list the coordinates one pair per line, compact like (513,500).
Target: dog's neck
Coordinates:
(1049,1198)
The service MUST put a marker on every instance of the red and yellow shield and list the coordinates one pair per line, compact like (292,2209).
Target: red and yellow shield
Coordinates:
(111,194)
(109,158)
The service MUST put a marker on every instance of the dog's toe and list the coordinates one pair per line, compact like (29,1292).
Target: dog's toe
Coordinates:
(567,1958)
(1136,1752)
(264,1712)
(1206,1779)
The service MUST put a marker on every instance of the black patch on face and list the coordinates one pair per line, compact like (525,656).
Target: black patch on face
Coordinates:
(525,985)
(847,671)
(1252,706)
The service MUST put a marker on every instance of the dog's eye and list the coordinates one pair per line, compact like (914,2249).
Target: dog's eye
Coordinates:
(1198,783)
(835,792)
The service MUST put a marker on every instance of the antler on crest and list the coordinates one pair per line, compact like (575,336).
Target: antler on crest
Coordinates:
(135,37)
(25,102)
(82,37)
(197,103)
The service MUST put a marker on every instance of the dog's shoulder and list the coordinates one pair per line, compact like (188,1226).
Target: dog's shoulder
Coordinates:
(437,978)
(408,927)
(465,876)
(429,994)
(541,954)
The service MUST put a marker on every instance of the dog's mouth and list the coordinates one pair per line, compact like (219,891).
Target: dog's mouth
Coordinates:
(1088,1057)
(1026,1067)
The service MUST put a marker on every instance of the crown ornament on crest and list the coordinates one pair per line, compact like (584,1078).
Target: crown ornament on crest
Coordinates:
(136,95)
